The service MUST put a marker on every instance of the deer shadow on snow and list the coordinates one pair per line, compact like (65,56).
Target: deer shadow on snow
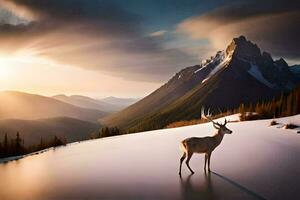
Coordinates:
(197,188)
(215,186)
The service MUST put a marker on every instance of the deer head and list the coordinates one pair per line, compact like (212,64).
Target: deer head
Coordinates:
(220,127)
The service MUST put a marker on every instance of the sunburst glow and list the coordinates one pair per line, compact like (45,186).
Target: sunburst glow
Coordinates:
(28,71)
(5,68)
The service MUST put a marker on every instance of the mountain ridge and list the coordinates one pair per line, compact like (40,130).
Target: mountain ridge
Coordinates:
(21,105)
(87,102)
(119,101)
(108,104)
(239,74)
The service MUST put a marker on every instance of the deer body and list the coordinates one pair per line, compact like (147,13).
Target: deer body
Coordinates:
(204,145)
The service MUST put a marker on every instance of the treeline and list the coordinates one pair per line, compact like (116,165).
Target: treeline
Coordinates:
(198,121)
(283,106)
(15,146)
(107,132)
(286,105)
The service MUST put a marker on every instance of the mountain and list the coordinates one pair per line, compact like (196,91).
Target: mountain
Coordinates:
(87,102)
(26,106)
(108,104)
(33,130)
(124,102)
(295,69)
(239,74)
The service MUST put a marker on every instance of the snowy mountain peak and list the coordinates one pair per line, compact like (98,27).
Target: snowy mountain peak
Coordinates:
(242,56)
(243,48)
(244,63)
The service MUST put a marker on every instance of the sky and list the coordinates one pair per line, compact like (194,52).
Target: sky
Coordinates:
(130,48)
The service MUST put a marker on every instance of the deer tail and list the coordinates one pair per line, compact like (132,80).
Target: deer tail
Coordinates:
(183,146)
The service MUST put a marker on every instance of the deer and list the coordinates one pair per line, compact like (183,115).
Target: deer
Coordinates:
(204,145)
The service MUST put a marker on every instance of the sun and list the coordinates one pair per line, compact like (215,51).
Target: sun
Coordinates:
(5,68)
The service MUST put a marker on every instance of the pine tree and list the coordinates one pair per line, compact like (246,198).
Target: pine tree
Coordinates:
(106,132)
(112,131)
(42,144)
(5,144)
(18,144)
(103,130)
(242,112)
(117,131)
(251,109)
(296,103)
(56,141)
(1,150)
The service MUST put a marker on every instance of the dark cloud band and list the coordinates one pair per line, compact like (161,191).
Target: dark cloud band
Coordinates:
(274,25)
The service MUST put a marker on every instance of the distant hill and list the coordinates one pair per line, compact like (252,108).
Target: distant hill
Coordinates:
(239,74)
(19,105)
(120,101)
(87,102)
(108,104)
(33,130)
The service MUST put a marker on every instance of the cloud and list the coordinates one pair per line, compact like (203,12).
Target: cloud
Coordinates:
(7,17)
(96,35)
(158,33)
(274,25)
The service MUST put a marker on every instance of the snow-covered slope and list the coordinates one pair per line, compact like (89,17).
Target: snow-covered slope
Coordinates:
(255,162)
(254,71)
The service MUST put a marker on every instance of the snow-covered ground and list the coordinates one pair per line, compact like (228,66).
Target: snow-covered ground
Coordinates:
(255,162)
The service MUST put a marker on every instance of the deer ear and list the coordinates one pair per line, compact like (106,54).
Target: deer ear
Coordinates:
(216,126)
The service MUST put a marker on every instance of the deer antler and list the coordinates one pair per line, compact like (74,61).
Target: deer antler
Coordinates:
(215,124)
(225,122)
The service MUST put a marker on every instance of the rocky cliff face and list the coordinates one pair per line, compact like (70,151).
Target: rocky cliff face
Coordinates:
(245,55)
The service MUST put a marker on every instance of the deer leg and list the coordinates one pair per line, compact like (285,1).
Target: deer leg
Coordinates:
(205,162)
(181,160)
(189,156)
(209,161)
